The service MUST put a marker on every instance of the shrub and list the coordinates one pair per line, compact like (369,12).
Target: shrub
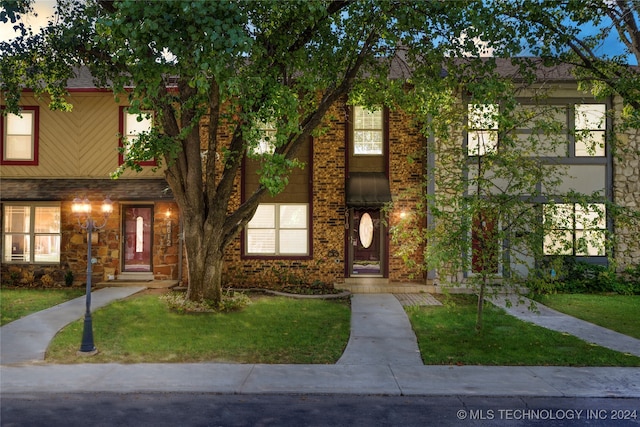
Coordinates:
(47,281)
(28,278)
(581,277)
(231,301)
(68,278)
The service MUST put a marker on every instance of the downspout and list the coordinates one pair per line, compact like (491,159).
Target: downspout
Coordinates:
(180,250)
(431,188)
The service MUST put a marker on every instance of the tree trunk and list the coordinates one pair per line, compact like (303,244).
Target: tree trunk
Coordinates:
(480,304)
(205,258)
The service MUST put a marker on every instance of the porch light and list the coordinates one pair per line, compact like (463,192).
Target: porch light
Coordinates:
(81,208)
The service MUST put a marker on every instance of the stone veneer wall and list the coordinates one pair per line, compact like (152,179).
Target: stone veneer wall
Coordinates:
(105,249)
(626,192)
(165,241)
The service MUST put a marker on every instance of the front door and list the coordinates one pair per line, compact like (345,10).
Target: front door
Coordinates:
(137,242)
(366,243)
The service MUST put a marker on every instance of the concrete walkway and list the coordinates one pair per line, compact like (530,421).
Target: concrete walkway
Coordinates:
(381,333)
(381,359)
(26,340)
(554,320)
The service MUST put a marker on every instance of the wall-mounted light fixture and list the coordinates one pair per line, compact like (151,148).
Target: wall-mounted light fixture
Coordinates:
(168,229)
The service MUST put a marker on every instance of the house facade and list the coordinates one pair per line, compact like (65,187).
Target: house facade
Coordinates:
(50,158)
(331,223)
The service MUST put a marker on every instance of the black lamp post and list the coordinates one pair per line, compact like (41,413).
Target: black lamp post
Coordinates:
(82,210)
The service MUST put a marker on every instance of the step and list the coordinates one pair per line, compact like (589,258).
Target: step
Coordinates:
(369,285)
(133,277)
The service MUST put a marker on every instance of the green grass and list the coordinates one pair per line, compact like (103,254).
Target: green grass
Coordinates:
(17,303)
(617,312)
(446,336)
(270,330)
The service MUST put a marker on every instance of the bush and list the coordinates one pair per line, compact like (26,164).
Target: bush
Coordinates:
(47,281)
(68,278)
(581,277)
(231,301)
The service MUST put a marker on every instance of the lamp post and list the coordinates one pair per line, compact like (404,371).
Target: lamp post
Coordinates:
(82,211)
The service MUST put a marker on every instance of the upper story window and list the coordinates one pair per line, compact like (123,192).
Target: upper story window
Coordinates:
(20,137)
(132,125)
(267,141)
(368,134)
(482,131)
(31,233)
(279,229)
(590,128)
(572,130)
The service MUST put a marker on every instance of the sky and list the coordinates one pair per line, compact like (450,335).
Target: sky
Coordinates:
(45,8)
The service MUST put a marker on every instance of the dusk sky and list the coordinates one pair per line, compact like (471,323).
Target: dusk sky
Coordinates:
(612,46)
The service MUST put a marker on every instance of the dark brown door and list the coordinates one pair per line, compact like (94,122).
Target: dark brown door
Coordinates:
(484,244)
(366,243)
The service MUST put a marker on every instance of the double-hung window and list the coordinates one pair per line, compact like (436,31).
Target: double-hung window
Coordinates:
(132,125)
(19,135)
(279,229)
(368,132)
(482,129)
(31,233)
(574,229)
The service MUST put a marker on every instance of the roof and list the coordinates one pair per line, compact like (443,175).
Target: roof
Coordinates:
(20,189)
(399,69)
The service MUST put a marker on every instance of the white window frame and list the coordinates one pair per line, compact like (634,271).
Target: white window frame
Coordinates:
(31,235)
(278,229)
(12,137)
(266,143)
(129,137)
(368,131)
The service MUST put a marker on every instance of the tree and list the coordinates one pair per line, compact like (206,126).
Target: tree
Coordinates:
(211,68)
(483,203)
(575,33)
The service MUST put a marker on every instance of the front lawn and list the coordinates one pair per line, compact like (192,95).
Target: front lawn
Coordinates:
(17,303)
(446,336)
(270,330)
(620,313)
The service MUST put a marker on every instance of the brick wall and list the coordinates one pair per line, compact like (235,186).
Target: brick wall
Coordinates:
(328,217)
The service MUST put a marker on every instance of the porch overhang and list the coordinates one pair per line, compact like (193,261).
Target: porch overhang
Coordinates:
(367,189)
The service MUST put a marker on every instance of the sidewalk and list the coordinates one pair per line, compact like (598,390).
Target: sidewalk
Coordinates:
(381,359)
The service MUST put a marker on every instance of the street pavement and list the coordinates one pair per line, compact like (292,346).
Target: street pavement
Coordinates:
(381,358)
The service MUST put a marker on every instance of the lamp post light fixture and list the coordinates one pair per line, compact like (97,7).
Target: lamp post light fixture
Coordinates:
(81,208)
